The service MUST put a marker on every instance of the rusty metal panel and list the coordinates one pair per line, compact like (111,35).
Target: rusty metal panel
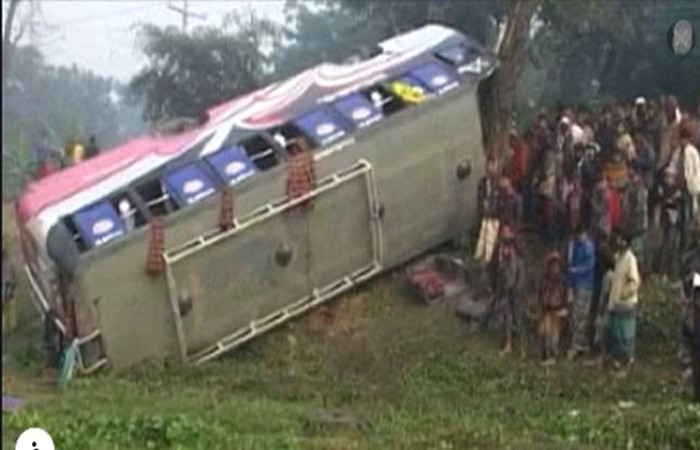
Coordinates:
(239,279)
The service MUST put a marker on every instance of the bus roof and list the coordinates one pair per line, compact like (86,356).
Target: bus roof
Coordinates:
(45,201)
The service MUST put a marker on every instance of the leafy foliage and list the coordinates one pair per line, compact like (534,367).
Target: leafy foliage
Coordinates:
(186,74)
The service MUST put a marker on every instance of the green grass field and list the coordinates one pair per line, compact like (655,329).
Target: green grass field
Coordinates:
(372,370)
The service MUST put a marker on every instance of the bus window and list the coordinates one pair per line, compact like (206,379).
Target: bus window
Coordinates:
(384,99)
(132,217)
(155,197)
(73,230)
(459,56)
(321,127)
(232,165)
(435,76)
(359,110)
(189,184)
(98,224)
(260,152)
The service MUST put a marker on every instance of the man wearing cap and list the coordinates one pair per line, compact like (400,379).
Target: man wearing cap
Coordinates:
(581,272)
(621,328)
(553,292)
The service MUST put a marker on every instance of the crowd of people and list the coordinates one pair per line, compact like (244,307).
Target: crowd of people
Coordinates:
(74,152)
(598,189)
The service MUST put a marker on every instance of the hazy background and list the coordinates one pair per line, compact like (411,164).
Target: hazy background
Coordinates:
(99,35)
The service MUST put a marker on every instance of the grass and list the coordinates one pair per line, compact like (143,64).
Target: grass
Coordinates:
(372,370)
(399,374)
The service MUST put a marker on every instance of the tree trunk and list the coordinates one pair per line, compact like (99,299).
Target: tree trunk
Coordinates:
(7,44)
(497,94)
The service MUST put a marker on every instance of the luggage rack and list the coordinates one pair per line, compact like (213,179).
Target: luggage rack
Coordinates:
(320,295)
(258,327)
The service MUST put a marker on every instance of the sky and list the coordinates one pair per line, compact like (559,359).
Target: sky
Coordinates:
(98,35)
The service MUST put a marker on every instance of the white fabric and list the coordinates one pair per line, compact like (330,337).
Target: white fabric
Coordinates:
(578,136)
(625,282)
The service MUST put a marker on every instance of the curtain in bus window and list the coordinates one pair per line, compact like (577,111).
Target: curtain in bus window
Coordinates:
(232,164)
(321,127)
(358,110)
(436,77)
(189,184)
(98,224)
(408,89)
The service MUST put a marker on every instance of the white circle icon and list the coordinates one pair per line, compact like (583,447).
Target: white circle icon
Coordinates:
(102,226)
(233,168)
(325,129)
(192,186)
(34,439)
(361,113)
(439,80)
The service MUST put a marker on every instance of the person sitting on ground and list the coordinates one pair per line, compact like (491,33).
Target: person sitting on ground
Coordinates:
(553,293)
(581,271)
(621,328)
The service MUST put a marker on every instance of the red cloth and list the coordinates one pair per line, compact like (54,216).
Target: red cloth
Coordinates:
(301,174)
(613,208)
(46,169)
(156,246)
(519,162)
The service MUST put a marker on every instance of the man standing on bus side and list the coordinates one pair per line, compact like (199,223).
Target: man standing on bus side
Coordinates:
(488,202)
(92,149)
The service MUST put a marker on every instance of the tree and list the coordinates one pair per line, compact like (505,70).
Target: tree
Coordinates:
(20,16)
(186,74)
(498,92)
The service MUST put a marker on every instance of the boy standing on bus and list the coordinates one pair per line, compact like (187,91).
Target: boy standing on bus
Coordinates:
(488,201)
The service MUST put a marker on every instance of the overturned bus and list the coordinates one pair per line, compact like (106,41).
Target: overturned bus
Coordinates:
(397,149)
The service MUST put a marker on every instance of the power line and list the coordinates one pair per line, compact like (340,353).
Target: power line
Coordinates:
(119,13)
(185,13)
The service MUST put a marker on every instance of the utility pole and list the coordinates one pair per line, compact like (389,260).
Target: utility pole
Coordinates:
(185,13)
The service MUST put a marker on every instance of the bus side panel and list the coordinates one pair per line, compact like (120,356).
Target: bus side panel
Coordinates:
(244,277)
(340,233)
(134,314)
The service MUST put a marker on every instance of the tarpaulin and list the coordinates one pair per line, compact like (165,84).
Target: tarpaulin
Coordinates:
(321,127)
(232,164)
(436,77)
(358,110)
(98,224)
(189,184)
